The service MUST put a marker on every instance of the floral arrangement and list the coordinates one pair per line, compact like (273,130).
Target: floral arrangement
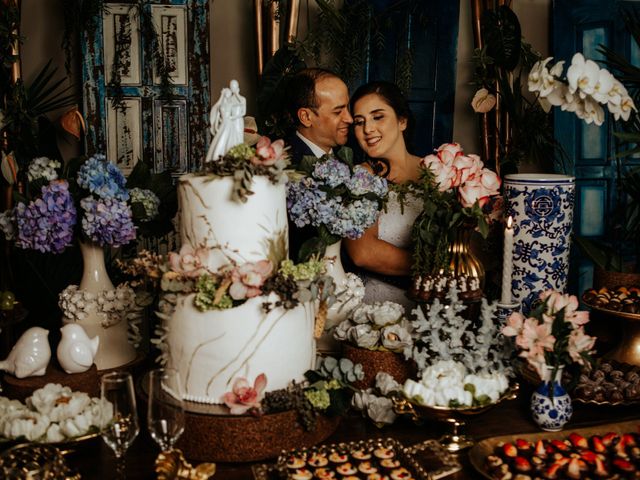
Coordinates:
(584,89)
(88,200)
(242,162)
(336,198)
(186,272)
(553,335)
(380,326)
(377,403)
(53,413)
(457,192)
(326,389)
(459,363)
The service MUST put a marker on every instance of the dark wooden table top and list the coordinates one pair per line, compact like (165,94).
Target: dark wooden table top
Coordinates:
(95,460)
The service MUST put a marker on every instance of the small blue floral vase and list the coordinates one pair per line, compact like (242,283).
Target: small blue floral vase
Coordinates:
(551,411)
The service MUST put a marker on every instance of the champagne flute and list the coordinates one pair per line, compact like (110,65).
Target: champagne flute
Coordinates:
(165,416)
(121,429)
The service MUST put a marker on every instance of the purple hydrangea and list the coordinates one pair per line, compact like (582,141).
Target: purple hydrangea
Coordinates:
(46,224)
(107,222)
(103,178)
(363,182)
(332,172)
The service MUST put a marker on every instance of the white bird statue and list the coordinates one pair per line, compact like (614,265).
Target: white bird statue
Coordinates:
(76,350)
(30,355)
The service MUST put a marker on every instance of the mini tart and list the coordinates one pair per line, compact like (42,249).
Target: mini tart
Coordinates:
(377,476)
(361,455)
(401,474)
(301,474)
(384,452)
(351,477)
(317,460)
(389,463)
(346,469)
(324,473)
(294,462)
(336,457)
(367,467)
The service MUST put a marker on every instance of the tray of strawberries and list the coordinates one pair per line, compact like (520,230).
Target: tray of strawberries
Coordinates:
(606,451)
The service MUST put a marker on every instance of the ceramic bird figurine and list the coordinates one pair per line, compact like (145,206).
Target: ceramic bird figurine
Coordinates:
(30,355)
(76,350)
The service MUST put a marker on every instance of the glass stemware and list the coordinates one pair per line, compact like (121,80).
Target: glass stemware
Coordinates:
(165,416)
(119,433)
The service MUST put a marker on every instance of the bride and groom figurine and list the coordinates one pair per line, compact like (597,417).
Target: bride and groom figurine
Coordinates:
(227,121)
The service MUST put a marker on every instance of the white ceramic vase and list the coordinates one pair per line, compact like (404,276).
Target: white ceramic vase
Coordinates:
(542,209)
(100,309)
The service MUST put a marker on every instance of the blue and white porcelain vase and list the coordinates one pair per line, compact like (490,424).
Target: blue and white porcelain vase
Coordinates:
(542,209)
(550,403)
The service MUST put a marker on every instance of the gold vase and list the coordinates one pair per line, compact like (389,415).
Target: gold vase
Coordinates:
(463,260)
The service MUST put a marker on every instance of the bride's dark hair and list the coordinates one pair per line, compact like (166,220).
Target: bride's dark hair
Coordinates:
(393,97)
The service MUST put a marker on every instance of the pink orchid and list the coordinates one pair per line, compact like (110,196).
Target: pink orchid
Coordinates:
(580,342)
(268,153)
(535,337)
(577,319)
(189,262)
(248,279)
(514,325)
(243,397)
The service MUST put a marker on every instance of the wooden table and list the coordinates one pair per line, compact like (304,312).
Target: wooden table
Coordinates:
(95,461)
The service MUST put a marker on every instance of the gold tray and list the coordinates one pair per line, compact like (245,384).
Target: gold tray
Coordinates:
(613,313)
(485,447)
(427,460)
(65,446)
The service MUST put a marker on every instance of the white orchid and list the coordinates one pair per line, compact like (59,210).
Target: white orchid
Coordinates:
(584,90)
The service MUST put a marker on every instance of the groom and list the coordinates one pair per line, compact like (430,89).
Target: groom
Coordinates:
(318,104)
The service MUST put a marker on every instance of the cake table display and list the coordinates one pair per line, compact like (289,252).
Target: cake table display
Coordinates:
(238,317)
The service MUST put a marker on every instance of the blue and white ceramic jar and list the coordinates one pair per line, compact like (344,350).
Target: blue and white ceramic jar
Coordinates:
(542,209)
(551,405)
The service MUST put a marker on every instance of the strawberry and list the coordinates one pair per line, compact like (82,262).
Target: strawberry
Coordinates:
(522,444)
(598,444)
(540,449)
(558,445)
(601,470)
(623,465)
(522,464)
(578,441)
(510,450)
(608,438)
(573,469)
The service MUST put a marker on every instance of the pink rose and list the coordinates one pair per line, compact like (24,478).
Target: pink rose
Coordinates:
(268,153)
(243,397)
(444,175)
(248,279)
(189,262)
(490,181)
(471,192)
(465,168)
(447,152)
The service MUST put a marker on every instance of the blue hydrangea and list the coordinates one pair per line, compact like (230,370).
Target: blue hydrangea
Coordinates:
(310,200)
(107,222)
(103,178)
(46,224)
(331,172)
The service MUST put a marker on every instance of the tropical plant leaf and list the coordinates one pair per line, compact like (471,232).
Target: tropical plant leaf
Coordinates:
(502,35)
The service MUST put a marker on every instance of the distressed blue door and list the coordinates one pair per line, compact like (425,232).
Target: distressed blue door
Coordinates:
(131,114)
(581,26)
(431,35)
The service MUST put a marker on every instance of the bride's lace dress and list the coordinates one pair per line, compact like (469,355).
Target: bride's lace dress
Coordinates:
(394,226)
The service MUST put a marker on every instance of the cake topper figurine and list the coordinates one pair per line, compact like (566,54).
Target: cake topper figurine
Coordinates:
(76,350)
(226,121)
(30,355)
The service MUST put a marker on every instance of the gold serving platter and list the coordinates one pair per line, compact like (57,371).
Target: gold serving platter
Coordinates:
(65,446)
(483,448)
(425,461)
(613,313)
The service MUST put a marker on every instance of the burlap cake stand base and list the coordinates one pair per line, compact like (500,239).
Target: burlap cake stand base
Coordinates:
(213,436)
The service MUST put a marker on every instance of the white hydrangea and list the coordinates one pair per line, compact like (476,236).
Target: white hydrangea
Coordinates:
(45,399)
(43,168)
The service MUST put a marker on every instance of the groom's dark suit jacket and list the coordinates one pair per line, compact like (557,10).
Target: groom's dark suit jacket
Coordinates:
(297,149)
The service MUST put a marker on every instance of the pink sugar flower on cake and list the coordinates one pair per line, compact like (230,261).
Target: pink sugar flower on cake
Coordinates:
(267,152)
(189,261)
(243,397)
(247,279)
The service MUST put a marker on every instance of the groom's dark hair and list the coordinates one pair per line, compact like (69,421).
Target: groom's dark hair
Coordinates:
(300,91)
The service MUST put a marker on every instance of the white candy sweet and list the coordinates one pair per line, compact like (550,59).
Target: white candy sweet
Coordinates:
(30,355)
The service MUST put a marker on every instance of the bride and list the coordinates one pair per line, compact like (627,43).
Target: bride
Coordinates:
(382,121)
